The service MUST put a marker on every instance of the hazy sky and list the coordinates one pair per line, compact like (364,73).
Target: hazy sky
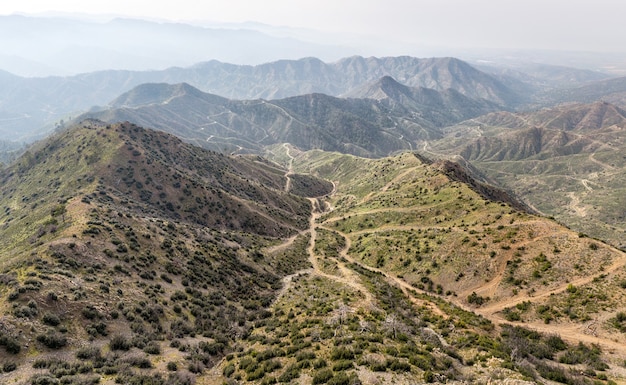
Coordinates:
(595,25)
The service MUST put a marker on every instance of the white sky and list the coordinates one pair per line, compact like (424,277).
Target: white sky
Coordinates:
(593,25)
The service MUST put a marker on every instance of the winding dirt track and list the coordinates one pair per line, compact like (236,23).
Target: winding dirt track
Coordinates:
(347,277)
(571,332)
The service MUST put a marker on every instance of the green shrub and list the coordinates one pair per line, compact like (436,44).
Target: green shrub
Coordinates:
(229,370)
(139,362)
(90,313)
(291,373)
(322,376)
(43,379)
(342,365)
(553,373)
(256,374)
(152,348)
(305,355)
(512,315)
(343,378)
(476,299)
(51,319)
(271,365)
(269,380)
(399,366)
(11,345)
(88,352)
(52,340)
(319,363)
(119,342)
(247,364)
(556,343)
(342,353)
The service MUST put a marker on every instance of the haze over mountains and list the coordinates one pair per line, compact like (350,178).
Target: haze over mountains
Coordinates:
(361,221)
(31,106)
(68,44)
(28,104)
(43,46)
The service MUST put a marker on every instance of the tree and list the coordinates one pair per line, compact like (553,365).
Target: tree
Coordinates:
(393,325)
(57,210)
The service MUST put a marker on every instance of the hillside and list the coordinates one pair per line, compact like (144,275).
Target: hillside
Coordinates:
(310,121)
(398,235)
(9,151)
(368,126)
(436,73)
(131,257)
(565,161)
(440,108)
(575,117)
(533,80)
(125,237)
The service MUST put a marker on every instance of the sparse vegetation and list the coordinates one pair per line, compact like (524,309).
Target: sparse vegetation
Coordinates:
(163,292)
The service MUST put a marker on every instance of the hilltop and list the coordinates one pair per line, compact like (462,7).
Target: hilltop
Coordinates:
(110,231)
(438,108)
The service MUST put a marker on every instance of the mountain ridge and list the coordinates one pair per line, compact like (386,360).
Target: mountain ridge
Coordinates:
(611,90)
(425,102)
(41,101)
(363,127)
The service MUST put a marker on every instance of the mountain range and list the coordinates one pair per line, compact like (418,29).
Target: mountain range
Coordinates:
(32,106)
(368,221)
(388,117)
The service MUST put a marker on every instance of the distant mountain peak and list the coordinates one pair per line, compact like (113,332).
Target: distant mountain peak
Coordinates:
(384,88)
(388,80)
(156,93)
